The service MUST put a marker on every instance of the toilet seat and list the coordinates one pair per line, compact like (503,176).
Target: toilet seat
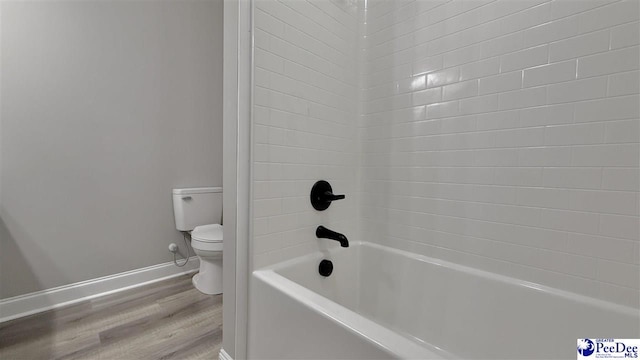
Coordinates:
(207,237)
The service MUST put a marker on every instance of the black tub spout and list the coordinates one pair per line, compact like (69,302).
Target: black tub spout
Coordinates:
(324,233)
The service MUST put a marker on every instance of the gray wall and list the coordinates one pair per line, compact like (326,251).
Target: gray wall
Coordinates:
(105,107)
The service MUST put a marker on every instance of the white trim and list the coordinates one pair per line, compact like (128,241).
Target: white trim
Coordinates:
(230,170)
(222,355)
(238,37)
(28,304)
(244,192)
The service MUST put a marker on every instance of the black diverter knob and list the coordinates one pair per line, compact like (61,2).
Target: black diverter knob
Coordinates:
(322,195)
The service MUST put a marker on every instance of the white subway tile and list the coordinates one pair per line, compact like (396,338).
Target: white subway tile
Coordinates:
(519,137)
(261,39)
(545,156)
(609,15)
(427,65)
(609,62)
(623,131)
(619,226)
(498,120)
(523,98)
(621,179)
(606,155)
(516,254)
(458,124)
(547,115)
(443,77)
(460,90)
(428,96)
(502,45)
(518,176)
(551,31)
(268,61)
(462,56)
(479,104)
(574,134)
(572,177)
(602,247)
(625,35)
(560,9)
(530,17)
(577,90)
(543,197)
(574,221)
(267,207)
(495,157)
(480,69)
(610,202)
(268,23)
(568,264)
(617,273)
(524,59)
(624,84)
(607,109)
(539,237)
(549,74)
(261,98)
(477,140)
(580,45)
(500,83)
(444,109)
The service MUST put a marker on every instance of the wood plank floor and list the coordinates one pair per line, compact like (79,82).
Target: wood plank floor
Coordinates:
(165,320)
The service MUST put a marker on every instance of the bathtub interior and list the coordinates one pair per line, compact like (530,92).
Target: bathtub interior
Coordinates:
(342,286)
(464,312)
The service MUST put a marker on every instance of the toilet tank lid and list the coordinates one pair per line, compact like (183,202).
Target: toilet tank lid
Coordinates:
(207,233)
(200,190)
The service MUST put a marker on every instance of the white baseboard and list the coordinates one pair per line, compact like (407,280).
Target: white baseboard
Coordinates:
(222,355)
(36,302)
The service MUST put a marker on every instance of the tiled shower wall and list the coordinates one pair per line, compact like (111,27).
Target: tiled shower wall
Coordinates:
(305,123)
(498,134)
(504,135)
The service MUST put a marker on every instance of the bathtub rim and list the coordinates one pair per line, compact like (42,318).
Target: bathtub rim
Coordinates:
(551,291)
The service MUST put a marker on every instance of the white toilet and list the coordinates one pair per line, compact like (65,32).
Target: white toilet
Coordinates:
(199,211)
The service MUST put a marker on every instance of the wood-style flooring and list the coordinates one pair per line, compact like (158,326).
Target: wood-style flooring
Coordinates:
(165,320)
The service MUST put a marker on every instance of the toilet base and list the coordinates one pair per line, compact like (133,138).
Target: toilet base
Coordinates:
(209,279)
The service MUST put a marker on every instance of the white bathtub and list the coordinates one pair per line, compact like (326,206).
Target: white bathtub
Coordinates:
(382,303)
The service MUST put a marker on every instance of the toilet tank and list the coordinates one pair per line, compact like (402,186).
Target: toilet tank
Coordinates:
(197,206)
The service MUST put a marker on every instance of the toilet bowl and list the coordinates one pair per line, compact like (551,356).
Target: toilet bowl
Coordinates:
(206,241)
